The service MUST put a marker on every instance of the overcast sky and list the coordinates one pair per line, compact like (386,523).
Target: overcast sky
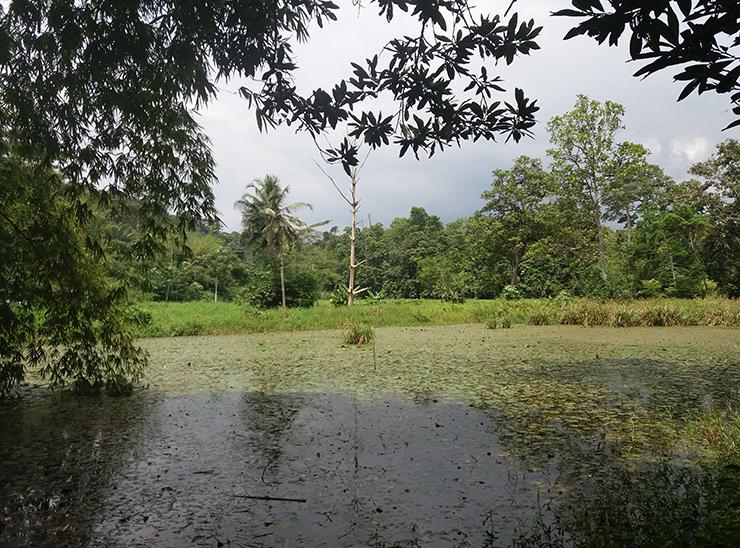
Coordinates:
(450,184)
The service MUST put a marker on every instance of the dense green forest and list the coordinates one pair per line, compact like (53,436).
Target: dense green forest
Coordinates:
(601,221)
(533,236)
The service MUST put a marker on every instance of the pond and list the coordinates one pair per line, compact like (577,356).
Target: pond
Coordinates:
(449,436)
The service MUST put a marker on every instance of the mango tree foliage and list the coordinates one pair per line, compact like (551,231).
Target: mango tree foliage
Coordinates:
(672,236)
(632,182)
(721,176)
(518,199)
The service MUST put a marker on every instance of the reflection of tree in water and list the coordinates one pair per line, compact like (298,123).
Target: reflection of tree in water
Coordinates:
(606,429)
(58,456)
(268,418)
(270,408)
(648,504)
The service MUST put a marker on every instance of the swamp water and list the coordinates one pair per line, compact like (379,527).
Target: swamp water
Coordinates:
(450,436)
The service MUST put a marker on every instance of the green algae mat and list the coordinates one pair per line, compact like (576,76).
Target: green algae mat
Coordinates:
(440,436)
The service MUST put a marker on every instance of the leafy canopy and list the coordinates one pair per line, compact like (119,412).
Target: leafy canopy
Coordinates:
(702,36)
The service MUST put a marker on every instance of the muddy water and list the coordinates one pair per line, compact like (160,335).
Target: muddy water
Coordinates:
(453,437)
(178,470)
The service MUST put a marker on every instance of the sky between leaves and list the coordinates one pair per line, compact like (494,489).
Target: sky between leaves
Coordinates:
(450,183)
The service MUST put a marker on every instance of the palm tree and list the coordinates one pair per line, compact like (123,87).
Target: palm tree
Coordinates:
(269,221)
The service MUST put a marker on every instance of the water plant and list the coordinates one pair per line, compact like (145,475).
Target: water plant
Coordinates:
(358,333)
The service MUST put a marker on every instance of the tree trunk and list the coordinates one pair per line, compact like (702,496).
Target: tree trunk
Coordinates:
(352,239)
(215,292)
(282,278)
(602,252)
(600,232)
(516,261)
(629,226)
(673,268)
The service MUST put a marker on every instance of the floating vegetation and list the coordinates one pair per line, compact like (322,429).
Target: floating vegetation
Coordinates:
(569,435)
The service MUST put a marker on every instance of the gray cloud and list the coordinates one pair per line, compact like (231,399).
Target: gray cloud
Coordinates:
(450,183)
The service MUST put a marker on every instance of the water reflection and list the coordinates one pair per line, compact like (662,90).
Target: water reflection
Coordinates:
(231,468)
(59,457)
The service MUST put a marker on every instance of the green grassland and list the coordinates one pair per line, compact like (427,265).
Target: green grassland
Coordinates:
(208,318)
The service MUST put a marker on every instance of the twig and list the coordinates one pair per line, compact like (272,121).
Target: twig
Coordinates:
(375,362)
(509,8)
(333,183)
(265,497)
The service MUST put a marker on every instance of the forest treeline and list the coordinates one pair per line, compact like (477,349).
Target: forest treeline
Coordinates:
(536,234)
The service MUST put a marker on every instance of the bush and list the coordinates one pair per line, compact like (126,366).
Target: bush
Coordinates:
(650,288)
(302,287)
(502,321)
(259,291)
(358,333)
(137,316)
(340,296)
(563,298)
(510,293)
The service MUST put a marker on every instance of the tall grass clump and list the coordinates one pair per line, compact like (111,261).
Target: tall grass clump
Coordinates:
(651,313)
(499,321)
(358,333)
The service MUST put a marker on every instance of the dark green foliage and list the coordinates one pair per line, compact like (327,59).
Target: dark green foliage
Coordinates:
(701,35)
(302,286)
(682,242)
(261,289)
(58,313)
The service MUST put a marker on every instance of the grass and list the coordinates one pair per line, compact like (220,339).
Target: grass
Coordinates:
(208,318)
(358,333)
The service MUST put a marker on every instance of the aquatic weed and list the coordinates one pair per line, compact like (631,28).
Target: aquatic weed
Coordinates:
(358,333)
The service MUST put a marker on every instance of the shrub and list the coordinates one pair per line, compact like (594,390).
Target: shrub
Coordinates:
(502,321)
(563,298)
(340,296)
(540,317)
(259,291)
(375,297)
(138,316)
(358,333)
(302,287)
(650,288)
(510,293)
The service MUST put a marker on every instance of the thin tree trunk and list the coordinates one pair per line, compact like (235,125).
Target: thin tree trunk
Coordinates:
(673,268)
(600,232)
(516,260)
(352,239)
(215,292)
(602,252)
(282,278)
(629,226)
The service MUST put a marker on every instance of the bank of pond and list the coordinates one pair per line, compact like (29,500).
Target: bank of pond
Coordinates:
(162,319)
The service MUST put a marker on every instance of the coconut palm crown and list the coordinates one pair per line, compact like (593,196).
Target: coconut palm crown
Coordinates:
(269,221)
